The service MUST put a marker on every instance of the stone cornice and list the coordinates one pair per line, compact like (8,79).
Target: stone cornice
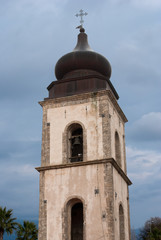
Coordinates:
(74,99)
(93,162)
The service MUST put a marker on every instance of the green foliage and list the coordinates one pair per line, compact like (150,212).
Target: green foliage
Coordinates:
(7,223)
(151,230)
(27,231)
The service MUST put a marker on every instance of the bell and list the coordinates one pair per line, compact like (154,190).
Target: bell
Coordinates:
(76,141)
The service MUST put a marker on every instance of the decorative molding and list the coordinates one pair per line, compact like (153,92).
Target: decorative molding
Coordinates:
(92,162)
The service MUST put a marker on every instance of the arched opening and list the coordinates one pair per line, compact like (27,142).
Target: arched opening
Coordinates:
(77,221)
(74,216)
(121,223)
(75,140)
(117,149)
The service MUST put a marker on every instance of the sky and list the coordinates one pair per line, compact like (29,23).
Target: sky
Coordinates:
(33,36)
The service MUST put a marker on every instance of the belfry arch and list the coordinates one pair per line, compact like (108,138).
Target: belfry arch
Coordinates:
(117,149)
(74,142)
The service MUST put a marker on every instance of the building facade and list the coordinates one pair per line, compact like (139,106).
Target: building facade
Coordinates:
(83,180)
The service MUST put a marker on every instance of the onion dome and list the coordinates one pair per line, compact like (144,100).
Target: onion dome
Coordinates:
(81,71)
(82,57)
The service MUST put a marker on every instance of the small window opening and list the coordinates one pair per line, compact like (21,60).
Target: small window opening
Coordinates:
(117,149)
(121,223)
(77,222)
(76,144)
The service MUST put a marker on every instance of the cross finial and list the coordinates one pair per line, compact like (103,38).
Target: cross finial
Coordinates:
(81,14)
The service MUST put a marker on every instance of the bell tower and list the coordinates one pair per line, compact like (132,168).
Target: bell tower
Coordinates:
(83,180)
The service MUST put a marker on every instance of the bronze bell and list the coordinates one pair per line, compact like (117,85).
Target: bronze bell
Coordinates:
(76,141)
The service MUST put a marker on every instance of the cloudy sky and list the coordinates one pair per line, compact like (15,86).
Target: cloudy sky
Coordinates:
(34,34)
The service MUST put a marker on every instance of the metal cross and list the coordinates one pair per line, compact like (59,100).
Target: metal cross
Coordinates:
(81,14)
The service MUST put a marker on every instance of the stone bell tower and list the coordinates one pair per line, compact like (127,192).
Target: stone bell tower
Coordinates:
(83,181)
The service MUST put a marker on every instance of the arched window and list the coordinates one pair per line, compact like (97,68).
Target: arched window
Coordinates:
(77,221)
(117,149)
(75,143)
(121,223)
(73,226)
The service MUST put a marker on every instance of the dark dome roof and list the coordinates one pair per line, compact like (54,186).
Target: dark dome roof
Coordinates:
(82,57)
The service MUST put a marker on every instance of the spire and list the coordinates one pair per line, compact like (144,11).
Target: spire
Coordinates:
(82,43)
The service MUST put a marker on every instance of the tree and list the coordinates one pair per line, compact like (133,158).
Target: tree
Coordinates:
(27,231)
(7,223)
(151,229)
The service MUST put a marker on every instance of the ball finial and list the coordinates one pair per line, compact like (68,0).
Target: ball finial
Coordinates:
(82,30)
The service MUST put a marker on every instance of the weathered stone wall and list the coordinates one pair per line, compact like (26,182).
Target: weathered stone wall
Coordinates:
(86,114)
(100,118)
(79,182)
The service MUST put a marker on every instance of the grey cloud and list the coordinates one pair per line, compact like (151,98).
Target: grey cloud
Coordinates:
(147,128)
(144,191)
(16,150)
(21,194)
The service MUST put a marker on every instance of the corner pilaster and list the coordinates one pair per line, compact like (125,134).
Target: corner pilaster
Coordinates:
(109,193)
(45,147)
(42,233)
